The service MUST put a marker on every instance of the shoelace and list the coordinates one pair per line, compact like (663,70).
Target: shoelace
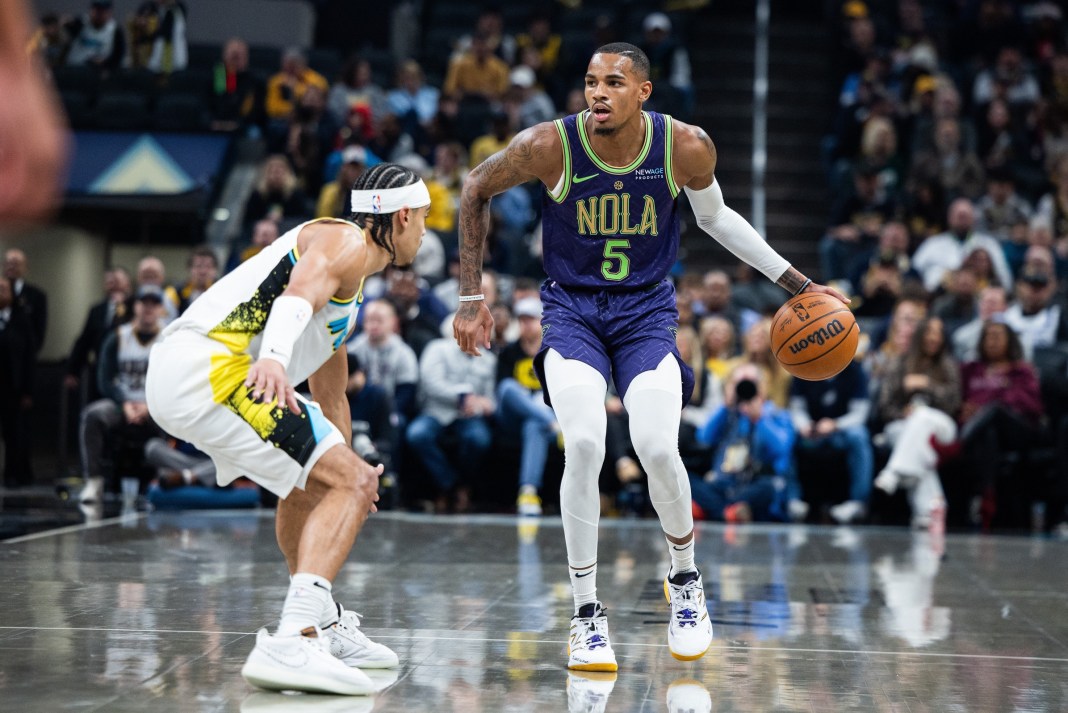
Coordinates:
(351,629)
(596,634)
(685,616)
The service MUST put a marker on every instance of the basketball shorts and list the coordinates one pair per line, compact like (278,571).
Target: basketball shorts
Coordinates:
(620,334)
(271,446)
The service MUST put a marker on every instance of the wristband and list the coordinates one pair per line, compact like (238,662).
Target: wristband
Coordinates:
(803,287)
(472,298)
(289,316)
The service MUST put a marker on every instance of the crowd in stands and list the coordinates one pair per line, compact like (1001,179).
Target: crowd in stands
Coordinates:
(949,167)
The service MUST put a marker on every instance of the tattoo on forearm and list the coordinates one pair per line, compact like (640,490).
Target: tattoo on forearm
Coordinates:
(791,280)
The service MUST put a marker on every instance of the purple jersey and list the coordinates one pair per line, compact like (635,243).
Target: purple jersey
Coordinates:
(612,228)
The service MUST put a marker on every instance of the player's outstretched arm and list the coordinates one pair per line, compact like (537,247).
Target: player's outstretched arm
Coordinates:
(694,166)
(533,153)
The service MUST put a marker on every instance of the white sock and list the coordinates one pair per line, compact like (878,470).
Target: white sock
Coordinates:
(309,595)
(584,584)
(329,616)
(681,557)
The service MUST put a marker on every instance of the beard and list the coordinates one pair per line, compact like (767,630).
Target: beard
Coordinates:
(604,130)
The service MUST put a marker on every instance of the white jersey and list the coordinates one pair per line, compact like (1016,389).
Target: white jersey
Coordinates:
(234,312)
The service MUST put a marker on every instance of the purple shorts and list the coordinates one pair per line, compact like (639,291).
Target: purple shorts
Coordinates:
(620,334)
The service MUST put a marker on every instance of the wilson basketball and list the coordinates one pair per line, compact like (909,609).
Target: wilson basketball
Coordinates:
(814,336)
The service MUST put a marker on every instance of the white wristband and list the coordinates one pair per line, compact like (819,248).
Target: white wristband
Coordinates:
(472,298)
(289,316)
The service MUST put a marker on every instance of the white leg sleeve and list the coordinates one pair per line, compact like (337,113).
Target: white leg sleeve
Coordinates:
(654,405)
(577,392)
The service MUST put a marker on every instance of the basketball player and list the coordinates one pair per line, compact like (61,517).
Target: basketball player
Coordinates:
(222,378)
(610,235)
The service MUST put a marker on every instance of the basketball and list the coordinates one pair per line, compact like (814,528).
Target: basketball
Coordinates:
(814,336)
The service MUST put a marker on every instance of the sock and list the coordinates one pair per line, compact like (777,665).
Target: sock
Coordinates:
(681,557)
(584,585)
(308,595)
(330,615)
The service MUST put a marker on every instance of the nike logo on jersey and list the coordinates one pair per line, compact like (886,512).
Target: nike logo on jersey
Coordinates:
(575,177)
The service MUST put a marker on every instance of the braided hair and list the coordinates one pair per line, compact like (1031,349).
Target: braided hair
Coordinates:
(383,175)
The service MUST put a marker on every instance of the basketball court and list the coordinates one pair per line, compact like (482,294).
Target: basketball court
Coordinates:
(154,611)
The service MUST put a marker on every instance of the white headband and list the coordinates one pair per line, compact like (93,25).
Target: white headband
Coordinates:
(390,200)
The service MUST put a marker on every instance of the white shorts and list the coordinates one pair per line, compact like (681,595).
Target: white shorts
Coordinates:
(191,395)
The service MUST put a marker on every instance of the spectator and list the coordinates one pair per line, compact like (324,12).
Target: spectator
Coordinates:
(310,139)
(412,102)
(532,104)
(170,49)
(335,198)
(925,209)
(830,417)
(856,220)
(751,291)
(17,363)
(456,395)
(1001,410)
(96,39)
(237,95)
(752,443)
(356,88)
(264,232)
(391,142)
(957,168)
(1004,145)
(121,376)
(918,401)
(285,89)
(104,317)
(959,302)
(878,149)
(419,312)
(1052,208)
(477,73)
(1035,319)
(541,38)
(908,313)
(150,272)
(992,303)
(520,406)
(490,24)
(50,41)
(449,172)
(142,27)
(277,196)
(32,300)
(501,133)
(707,393)
(716,301)
(1009,78)
(717,342)
(203,271)
(669,64)
(940,254)
(1001,210)
(885,272)
(178,464)
(756,349)
(373,434)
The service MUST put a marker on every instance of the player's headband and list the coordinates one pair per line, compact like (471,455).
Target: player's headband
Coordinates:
(390,200)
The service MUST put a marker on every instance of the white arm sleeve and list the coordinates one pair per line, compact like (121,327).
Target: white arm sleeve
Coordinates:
(286,322)
(733,232)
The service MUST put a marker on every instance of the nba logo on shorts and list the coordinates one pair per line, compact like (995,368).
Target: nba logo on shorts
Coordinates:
(376,203)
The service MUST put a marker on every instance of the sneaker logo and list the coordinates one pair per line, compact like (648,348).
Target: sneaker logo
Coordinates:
(584,574)
(290,659)
(575,177)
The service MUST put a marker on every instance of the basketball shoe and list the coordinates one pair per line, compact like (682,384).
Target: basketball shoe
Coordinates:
(690,629)
(588,647)
(302,663)
(588,691)
(351,646)
(688,696)
(528,503)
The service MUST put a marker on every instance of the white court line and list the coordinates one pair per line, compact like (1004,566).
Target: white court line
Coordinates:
(75,528)
(401,637)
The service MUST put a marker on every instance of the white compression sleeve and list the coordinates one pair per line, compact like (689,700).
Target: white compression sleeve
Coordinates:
(733,232)
(287,321)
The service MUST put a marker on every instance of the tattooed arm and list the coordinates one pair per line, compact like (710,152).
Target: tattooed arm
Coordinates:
(693,160)
(533,153)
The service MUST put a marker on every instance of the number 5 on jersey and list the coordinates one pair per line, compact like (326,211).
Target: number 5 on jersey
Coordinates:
(616,266)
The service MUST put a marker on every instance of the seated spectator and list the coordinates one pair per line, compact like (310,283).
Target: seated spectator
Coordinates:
(373,433)
(752,444)
(121,376)
(992,303)
(49,41)
(939,254)
(355,88)
(277,196)
(1001,410)
(918,401)
(96,39)
(310,139)
(955,167)
(756,350)
(285,89)
(908,313)
(179,464)
(203,271)
(456,396)
(856,220)
(1000,210)
(444,185)
(170,48)
(501,133)
(1008,76)
(752,291)
(1005,146)
(264,232)
(477,73)
(530,103)
(830,417)
(142,28)
(960,301)
(1052,208)
(669,64)
(335,197)
(391,142)
(115,309)
(541,38)
(925,209)
(412,103)
(521,407)
(420,313)
(490,24)
(717,343)
(878,149)
(717,300)
(237,95)
(707,393)
(151,273)
(884,273)
(1035,319)
(17,365)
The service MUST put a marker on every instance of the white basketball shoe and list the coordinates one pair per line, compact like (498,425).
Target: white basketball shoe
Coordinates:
(588,647)
(352,647)
(690,629)
(588,691)
(302,663)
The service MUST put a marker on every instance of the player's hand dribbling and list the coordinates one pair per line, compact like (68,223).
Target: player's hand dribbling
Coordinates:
(472,327)
(267,380)
(814,287)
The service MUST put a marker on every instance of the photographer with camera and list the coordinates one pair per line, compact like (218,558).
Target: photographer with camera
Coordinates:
(752,443)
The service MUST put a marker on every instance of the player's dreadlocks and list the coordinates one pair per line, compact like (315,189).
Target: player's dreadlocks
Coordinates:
(383,175)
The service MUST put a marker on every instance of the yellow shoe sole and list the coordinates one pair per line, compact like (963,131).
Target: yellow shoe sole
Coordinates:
(599,667)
